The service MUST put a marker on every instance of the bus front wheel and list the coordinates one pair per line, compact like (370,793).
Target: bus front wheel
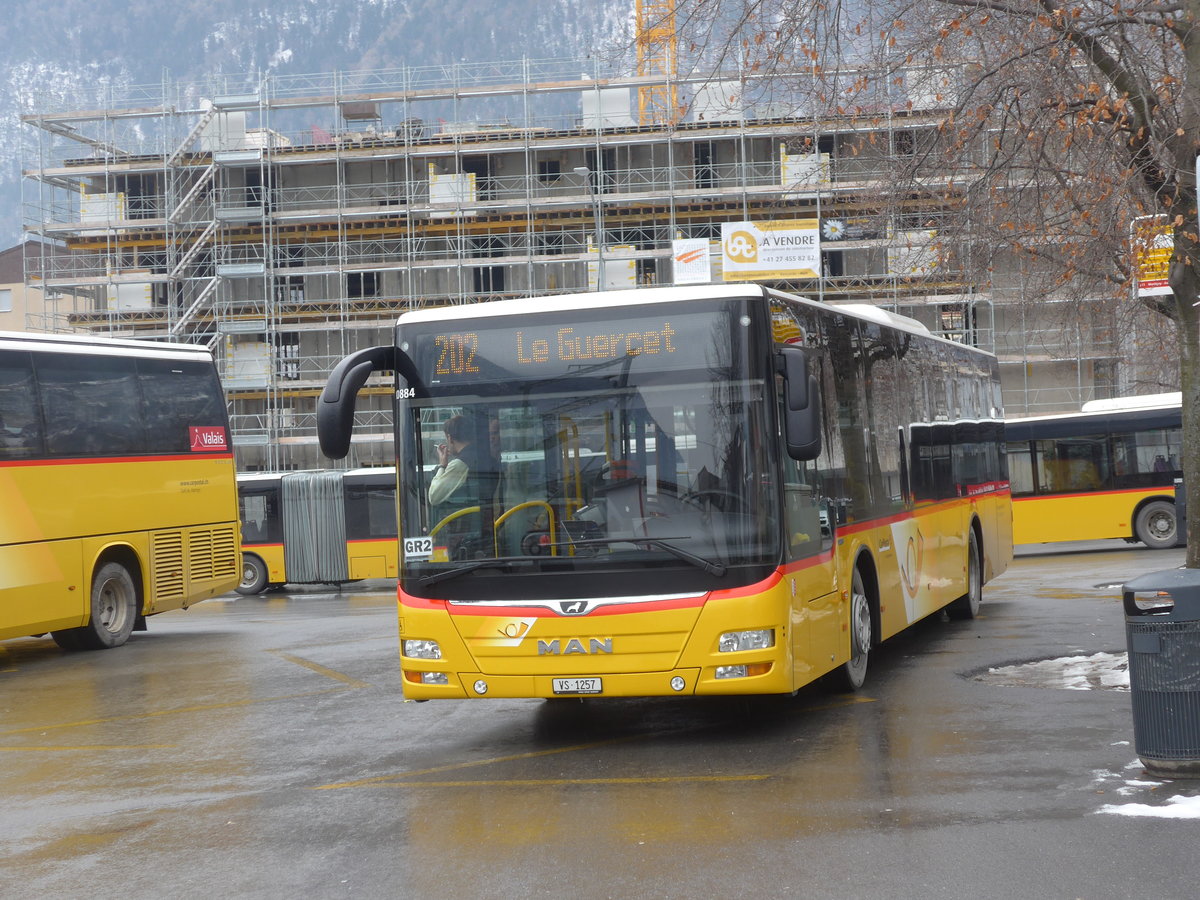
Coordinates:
(1155,525)
(254,575)
(851,675)
(114,612)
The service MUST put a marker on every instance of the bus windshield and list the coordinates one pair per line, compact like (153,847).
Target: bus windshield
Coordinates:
(576,446)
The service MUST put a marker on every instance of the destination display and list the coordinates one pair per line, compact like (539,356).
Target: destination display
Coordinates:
(484,350)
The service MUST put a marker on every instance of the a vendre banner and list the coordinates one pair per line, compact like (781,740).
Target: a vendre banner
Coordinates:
(771,251)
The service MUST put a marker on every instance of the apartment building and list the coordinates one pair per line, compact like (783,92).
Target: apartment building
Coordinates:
(18,302)
(286,221)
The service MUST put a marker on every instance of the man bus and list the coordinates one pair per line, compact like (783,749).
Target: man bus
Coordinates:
(1107,471)
(116,485)
(722,490)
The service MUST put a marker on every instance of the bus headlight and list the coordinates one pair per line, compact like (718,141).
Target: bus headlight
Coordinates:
(732,641)
(416,649)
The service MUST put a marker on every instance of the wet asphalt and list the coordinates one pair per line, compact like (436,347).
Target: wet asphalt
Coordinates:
(261,747)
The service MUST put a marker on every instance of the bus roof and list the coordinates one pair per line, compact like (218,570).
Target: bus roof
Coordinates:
(37,341)
(590,300)
(675,294)
(1145,401)
(1094,408)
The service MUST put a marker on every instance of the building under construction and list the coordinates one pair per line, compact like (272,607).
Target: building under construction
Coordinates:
(285,221)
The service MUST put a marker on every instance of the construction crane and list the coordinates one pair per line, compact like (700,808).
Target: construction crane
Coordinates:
(657,57)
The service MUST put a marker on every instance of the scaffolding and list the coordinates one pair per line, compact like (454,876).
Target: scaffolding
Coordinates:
(285,221)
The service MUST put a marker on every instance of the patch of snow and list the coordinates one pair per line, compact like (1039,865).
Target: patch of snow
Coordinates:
(1100,671)
(1174,808)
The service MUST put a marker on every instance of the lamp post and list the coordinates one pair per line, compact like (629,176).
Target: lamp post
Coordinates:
(598,222)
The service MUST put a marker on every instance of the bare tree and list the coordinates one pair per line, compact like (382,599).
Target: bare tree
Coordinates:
(1066,121)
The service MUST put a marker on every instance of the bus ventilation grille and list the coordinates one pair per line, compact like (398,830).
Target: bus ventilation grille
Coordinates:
(213,554)
(166,558)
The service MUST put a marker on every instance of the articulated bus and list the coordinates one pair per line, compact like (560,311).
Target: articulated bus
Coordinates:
(678,491)
(1106,472)
(117,495)
(317,527)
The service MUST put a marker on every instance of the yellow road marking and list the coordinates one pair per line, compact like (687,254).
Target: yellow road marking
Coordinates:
(90,747)
(384,779)
(320,669)
(203,707)
(838,704)
(555,782)
(400,779)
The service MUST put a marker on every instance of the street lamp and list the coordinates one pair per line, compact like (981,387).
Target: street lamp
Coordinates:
(598,219)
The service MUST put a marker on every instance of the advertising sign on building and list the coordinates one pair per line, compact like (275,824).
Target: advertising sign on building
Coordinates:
(771,251)
(1153,241)
(690,259)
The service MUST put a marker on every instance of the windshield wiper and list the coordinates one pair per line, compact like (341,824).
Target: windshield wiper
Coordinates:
(712,568)
(498,562)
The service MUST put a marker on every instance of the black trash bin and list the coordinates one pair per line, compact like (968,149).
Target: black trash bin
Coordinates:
(1162,630)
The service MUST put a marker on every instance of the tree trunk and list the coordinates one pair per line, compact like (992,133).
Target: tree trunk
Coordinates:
(1184,281)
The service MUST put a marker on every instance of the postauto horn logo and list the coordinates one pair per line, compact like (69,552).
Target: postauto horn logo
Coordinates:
(742,247)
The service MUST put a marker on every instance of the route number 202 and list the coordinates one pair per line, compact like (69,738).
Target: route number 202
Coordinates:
(456,353)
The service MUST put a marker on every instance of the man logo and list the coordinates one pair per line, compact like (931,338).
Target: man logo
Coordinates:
(572,607)
(574,647)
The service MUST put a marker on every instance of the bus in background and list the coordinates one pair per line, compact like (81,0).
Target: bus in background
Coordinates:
(116,485)
(317,527)
(721,490)
(1106,472)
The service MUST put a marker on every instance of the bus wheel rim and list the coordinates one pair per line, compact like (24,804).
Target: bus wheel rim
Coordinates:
(114,606)
(860,614)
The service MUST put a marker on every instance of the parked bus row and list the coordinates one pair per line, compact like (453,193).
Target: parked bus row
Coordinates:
(722,456)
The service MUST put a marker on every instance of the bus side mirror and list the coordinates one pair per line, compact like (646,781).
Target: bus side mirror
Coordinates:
(802,406)
(335,407)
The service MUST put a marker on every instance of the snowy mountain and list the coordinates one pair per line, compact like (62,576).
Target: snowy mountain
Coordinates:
(87,44)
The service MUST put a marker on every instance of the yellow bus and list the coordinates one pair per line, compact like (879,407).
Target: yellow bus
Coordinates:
(1106,472)
(678,491)
(316,527)
(116,485)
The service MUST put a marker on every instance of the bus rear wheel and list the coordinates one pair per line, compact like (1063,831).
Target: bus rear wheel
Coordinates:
(254,575)
(967,606)
(1155,525)
(114,612)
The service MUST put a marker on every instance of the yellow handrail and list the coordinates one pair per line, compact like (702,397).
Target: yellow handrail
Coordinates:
(457,514)
(465,511)
(527,505)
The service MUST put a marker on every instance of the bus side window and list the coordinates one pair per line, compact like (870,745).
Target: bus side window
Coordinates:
(20,424)
(256,517)
(1072,465)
